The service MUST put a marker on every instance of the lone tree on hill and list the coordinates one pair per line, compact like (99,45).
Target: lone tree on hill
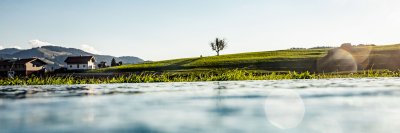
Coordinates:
(114,63)
(218,45)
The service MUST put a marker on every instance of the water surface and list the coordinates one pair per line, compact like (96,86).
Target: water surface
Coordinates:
(284,106)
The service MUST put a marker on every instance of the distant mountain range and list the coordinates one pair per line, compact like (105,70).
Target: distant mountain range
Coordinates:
(56,55)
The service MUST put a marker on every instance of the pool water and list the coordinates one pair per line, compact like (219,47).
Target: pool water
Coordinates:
(370,105)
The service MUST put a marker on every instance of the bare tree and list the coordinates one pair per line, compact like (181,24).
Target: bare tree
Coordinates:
(218,45)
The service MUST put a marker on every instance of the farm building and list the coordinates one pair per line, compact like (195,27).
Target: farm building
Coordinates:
(80,63)
(22,67)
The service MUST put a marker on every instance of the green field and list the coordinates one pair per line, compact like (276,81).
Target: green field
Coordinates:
(282,60)
(299,60)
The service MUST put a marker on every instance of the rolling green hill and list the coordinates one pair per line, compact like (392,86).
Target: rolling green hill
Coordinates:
(300,60)
(281,60)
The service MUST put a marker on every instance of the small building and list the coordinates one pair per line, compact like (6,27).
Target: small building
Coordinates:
(80,63)
(22,67)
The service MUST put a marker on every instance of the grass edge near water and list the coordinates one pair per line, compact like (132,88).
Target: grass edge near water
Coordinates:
(226,75)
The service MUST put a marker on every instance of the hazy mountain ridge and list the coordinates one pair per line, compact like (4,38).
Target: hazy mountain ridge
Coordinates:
(58,54)
(9,51)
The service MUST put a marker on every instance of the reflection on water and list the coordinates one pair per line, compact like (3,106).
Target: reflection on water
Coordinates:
(306,106)
(284,108)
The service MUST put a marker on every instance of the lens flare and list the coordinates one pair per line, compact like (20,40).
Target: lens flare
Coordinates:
(361,55)
(284,109)
(346,58)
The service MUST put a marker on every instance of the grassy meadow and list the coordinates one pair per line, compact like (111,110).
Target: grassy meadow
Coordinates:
(215,75)
(281,60)
(300,60)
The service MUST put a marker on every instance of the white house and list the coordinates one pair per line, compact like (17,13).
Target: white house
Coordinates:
(80,63)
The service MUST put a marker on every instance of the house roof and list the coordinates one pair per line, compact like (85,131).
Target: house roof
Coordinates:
(78,59)
(20,61)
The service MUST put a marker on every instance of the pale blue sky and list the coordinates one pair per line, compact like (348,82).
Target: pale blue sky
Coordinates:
(166,29)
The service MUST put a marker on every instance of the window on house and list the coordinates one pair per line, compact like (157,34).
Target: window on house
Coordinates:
(70,66)
(77,65)
(84,65)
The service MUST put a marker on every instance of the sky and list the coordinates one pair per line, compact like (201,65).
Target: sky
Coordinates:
(168,29)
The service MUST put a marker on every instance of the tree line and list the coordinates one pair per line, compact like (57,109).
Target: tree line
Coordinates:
(103,64)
